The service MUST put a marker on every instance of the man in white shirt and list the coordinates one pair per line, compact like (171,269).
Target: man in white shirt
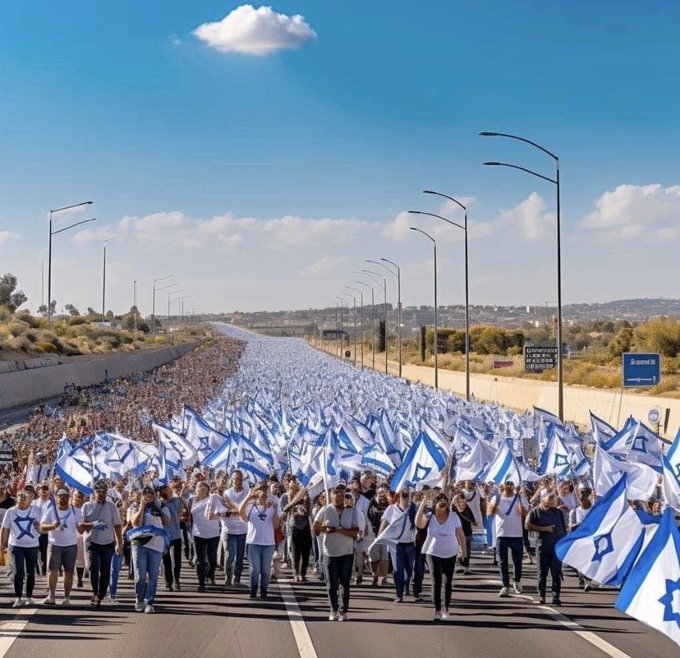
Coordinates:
(234,530)
(508,510)
(61,522)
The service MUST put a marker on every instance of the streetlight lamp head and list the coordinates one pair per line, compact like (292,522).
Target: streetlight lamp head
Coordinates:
(415,212)
(492,164)
(486,133)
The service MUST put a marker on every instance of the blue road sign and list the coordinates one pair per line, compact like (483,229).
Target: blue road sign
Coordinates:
(641,369)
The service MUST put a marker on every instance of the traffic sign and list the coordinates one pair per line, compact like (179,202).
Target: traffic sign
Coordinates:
(641,369)
(654,416)
(538,359)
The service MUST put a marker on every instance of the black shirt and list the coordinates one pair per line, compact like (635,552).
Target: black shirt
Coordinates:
(543,517)
(7,503)
(467,518)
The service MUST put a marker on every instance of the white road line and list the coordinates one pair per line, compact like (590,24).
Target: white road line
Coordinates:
(297,622)
(10,630)
(573,626)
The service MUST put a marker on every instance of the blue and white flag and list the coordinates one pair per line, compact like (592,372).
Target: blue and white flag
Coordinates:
(555,458)
(671,474)
(75,469)
(504,466)
(646,447)
(607,470)
(145,531)
(601,430)
(603,543)
(177,443)
(620,444)
(471,466)
(422,464)
(651,592)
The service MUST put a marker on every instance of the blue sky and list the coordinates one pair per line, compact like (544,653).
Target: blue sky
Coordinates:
(261,158)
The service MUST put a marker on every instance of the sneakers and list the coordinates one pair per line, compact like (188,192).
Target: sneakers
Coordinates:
(342,616)
(445,614)
(333,616)
(556,600)
(18,603)
(505,592)
(149,610)
(67,600)
(29,602)
(113,600)
(399,599)
(49,600)
(437,616)
(518,587)
(139,606)
(587,587)
(418,598)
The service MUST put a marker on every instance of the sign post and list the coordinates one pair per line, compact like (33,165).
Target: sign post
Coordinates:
(538,359)
(641,369)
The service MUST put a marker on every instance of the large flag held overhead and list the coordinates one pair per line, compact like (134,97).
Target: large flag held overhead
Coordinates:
(177,443)
(651,592)
(422,464)
(504,466)
(76,470)
(609,538)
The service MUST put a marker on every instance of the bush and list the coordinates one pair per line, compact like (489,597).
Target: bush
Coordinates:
(46,346)
(25,316)
(17,327)
(20,344)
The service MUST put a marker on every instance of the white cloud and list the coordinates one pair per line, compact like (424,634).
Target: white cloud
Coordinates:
(531,217)
(632,211)
(255,31)
(8,236)
(326,265)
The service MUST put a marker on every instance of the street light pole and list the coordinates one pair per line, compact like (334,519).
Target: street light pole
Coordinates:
(555,181)
(362,283)
(354,323)
(398,275)
(464,227)
(153,302)
(49,252)
(384,280)
(104,277)
(436,312)
(134,303)
(361,297)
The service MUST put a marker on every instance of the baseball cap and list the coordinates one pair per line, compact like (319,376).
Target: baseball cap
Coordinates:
(62,492)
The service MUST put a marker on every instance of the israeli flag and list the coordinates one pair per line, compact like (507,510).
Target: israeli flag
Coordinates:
(377,460)
(219,459)
(471,466)
(604,546)
(555,458)
(607,470)
(671,474)
(651,592)
(601,430)
(620,444)
(76,470)
(504,466)
(422,464)
(176,442)
(646,447)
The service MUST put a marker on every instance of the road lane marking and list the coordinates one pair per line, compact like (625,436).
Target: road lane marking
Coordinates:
(297,623)
(573,626)
(10,630)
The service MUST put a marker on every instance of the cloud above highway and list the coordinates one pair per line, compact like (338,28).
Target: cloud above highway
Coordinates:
(251,31)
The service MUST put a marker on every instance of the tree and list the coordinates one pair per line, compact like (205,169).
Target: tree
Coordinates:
(621,342)
(42,309)
(72,310)
(9,295)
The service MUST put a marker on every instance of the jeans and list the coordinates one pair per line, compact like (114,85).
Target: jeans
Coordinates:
(338,574)
(548,563)
(172,562)
(260,560)
(24,563)
(236,550)
(147,565)
(516,548)
(442,569)
(116,565)
(100,556)
(403,561)
(206,557)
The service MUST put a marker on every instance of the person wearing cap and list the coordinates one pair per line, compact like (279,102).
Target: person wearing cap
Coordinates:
(101,520)
(172,558)
(261,515)
(20,533)
(60,522)
(338,527)
(508,509)
(547,520)
(402,515)
(148,548)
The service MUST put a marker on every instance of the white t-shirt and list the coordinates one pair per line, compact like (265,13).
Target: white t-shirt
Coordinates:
(202,526)
(578,515)
(508,518)
(156,543)
(234,524)
(65,534)
(394,515)
(22,524)
(260,525)
(441,540)
(474,503)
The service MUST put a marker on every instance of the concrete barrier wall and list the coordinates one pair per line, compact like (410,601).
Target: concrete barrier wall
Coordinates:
(25,387)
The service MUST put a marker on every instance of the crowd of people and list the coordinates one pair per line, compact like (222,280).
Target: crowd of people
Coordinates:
(358,533)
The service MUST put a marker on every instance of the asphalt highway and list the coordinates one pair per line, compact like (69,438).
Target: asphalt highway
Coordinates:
(295,623)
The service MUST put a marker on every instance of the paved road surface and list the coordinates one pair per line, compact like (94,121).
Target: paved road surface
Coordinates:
(218,623)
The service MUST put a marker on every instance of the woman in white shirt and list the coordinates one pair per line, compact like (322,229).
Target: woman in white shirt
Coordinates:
(445,539)
(261,515)
(206,533)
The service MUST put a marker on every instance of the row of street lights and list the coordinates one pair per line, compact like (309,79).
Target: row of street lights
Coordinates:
(464,228)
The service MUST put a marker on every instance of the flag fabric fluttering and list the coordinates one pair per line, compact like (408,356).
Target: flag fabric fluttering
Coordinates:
(422,464)
(651,592)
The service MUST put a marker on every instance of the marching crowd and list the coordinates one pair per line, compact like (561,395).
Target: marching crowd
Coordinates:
(358,533)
